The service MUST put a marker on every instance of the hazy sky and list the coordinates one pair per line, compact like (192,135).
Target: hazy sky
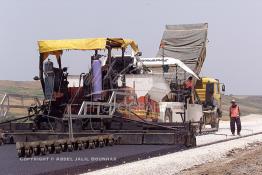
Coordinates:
(234,52)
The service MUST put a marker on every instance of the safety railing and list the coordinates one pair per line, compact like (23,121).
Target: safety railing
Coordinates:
(91,109)
(16,101)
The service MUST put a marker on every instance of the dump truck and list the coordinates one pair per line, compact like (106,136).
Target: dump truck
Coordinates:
(187,43)
(181,54)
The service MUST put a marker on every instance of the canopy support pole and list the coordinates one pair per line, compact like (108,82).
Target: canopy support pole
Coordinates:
(59,61)
(124,75)
(41,59)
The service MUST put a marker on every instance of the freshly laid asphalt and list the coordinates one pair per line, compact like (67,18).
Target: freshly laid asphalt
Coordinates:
(77,161)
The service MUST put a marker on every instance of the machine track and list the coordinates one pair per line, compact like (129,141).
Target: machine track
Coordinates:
(36,148)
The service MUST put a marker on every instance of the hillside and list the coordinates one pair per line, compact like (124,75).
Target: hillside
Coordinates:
(21,87)
(248,104)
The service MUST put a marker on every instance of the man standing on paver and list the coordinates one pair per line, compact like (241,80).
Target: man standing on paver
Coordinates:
(234,113)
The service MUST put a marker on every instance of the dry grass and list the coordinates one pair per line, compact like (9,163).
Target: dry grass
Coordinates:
(20,87)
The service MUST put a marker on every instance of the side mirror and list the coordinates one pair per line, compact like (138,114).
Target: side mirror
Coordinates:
(36,78)
(64,69)
(165,68)
(223,88)
(138,54)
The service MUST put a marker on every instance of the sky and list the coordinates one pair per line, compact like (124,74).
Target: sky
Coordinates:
(234,50)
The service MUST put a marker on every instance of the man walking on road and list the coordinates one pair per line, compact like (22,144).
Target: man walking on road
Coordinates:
(234,113)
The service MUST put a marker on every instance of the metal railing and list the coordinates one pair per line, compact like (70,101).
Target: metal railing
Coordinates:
(4,106)
(91,109)
(6,103)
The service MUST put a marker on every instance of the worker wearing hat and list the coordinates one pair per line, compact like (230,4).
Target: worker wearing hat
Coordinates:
(234,113)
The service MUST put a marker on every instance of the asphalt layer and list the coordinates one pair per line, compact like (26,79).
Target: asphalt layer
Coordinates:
(78,161)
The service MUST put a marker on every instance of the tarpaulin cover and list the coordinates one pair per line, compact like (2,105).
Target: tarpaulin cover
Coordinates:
(186,42)
(49,46)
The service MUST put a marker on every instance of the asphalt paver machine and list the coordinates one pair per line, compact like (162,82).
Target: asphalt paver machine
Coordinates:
(96,108)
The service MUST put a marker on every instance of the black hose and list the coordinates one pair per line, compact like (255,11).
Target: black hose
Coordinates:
(9,121)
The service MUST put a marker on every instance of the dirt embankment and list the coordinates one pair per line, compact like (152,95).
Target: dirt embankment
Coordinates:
(237,162)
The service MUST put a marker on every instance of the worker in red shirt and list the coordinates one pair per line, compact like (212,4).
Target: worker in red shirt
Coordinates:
(189,83)
(234,113)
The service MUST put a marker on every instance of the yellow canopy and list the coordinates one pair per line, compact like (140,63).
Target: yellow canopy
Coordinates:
(51,46)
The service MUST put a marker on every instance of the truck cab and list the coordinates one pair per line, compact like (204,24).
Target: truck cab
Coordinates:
(207,87)
(208,91)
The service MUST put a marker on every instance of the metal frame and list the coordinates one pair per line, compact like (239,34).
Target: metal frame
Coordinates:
(97,106)
(5,105)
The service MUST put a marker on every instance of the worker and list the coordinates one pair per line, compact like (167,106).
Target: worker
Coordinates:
(234,113)
(48,67)
(49,79)
(211,101)
(188,84)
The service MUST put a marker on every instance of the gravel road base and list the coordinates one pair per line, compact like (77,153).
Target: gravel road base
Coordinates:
(237,162)
(176,162)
